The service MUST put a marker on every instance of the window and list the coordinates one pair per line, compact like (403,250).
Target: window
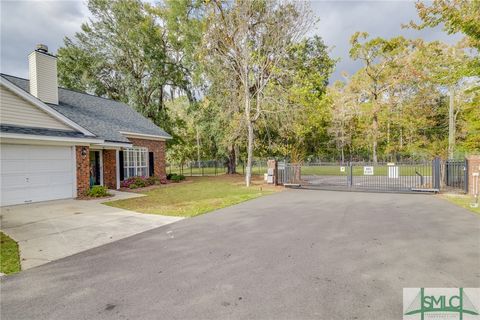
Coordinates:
(135,162)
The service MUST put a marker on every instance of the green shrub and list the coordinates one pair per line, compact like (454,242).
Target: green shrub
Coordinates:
(98,191)
(182,177)
(170,175)
(140,182)
(153,180)
(175,178)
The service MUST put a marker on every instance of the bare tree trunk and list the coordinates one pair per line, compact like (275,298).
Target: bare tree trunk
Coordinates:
(198,148)
(375,143)
(237,153)
(232,160)
(248,175)
(451,125)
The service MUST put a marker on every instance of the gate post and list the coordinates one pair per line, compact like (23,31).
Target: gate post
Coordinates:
(473,174)
(436,173)
(272,171)
(350,182)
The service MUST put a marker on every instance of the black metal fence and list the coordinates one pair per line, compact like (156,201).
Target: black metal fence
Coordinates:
(428,176)
(455,175)
(213,168)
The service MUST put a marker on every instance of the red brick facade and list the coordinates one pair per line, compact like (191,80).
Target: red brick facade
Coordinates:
(83,169)
(158,148)
(473,168)
(110,164)
(110,169)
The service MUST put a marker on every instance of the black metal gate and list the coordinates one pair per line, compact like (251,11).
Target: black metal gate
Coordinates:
(429,176)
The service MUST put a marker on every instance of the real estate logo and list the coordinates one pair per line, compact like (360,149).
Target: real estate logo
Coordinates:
(441,303)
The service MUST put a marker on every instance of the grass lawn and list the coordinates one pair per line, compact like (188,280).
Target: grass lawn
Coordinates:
(462,200)
(195,196)
(10,259)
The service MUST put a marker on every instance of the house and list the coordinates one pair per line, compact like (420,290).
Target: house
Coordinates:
(55,143)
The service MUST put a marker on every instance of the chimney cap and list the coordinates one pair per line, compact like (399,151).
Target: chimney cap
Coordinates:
(42,48)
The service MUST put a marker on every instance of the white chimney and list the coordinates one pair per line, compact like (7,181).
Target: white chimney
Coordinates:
(43,74)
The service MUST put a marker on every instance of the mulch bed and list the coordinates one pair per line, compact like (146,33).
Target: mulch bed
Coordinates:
(93,198)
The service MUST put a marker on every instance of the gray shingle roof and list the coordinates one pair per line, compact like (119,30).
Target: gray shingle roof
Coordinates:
(41,131)
(103,117)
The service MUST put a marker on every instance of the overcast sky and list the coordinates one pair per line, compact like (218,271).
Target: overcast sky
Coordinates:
(26,23)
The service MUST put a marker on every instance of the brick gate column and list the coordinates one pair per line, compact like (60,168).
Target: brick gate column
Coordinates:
(473,170)
(272,165)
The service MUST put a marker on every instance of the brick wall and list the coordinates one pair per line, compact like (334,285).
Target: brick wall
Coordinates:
(83,170)
(110,169)
(272,164)
(158,148)
(473,167)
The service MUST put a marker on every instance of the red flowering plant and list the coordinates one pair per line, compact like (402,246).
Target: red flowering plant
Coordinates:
(139,182)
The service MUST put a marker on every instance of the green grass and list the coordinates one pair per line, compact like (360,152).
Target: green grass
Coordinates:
(463,201)
(9,256)
(195,196)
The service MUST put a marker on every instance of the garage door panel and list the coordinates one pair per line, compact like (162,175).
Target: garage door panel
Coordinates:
(47,166)
(50,153)
(38,179)
(13,166)
(13,180)
(13,196)
(61,191)
(13,151)
(31,173)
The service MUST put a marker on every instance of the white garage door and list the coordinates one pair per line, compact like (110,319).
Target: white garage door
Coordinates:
(31,173)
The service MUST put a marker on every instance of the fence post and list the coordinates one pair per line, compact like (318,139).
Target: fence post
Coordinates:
(436,173)
(350,183)
(465,178)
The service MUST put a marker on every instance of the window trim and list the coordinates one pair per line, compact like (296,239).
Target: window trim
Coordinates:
(135,158)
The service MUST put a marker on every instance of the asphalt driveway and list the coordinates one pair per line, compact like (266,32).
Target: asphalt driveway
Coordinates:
(299,254)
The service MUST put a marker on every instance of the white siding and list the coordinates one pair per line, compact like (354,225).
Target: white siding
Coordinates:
(43,77)
(16,111)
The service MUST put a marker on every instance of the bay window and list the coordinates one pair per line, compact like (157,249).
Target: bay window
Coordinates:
(135,162)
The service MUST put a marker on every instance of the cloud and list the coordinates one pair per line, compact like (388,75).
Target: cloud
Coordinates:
(340,19)
(27,23)
(24,24)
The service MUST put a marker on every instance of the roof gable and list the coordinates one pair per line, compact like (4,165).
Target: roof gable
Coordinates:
(15,110)
(103,117)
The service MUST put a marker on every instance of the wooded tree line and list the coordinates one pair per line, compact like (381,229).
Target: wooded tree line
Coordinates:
(241,79)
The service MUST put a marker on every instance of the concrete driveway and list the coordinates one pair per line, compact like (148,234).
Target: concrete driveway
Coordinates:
(51,230)
(299,254)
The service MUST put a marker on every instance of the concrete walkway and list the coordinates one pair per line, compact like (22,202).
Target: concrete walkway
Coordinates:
(51,230)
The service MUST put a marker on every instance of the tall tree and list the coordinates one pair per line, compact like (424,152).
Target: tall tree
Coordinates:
(252,39)
(455,16)
(379,56)
(126,53)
